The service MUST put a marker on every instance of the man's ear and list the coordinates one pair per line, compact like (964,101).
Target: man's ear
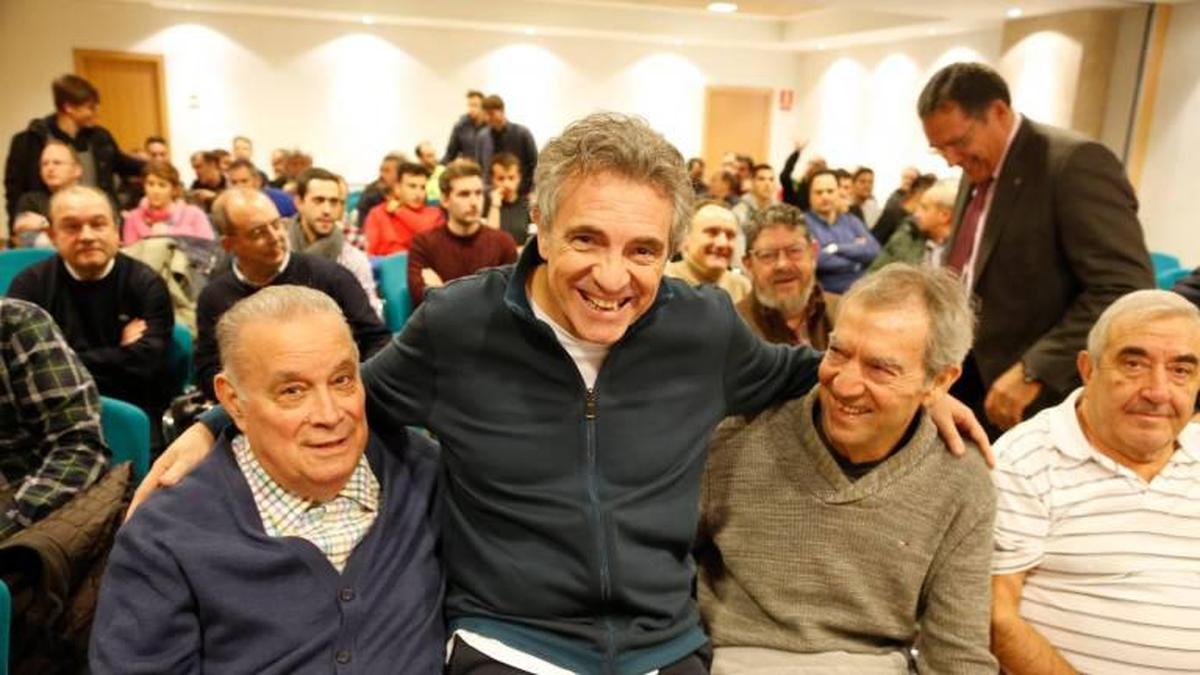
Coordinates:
(941,384)
(228,397)
(1083,361)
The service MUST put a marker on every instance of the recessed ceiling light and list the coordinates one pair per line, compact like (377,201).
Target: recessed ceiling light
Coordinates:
(931,31)
(820,46)
(530,31)
(677,42)
(722,7)
(1014,12)
(368,20)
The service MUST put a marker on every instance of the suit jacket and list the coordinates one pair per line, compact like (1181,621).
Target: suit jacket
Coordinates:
(1061,242)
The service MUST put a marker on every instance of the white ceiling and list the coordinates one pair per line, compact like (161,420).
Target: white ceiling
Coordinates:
(775,25)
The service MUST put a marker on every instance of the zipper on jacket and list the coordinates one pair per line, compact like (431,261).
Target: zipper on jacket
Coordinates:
(589,414)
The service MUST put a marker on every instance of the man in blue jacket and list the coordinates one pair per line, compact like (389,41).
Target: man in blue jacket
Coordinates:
(574,394)
(301,544)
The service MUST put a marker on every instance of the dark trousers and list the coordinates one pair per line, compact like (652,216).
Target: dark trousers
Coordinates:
(466,660)
(971,390)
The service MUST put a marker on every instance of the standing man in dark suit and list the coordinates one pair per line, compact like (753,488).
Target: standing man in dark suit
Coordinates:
(1046,236)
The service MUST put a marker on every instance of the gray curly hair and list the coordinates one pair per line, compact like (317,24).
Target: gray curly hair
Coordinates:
(625,145)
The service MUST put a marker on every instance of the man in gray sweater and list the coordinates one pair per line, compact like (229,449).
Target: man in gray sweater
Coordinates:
(837,535)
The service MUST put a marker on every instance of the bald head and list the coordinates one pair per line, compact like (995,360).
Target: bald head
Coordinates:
(252,231)
(710,241)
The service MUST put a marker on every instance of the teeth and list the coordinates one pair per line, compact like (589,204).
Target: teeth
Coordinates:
(603,305)
(852,410)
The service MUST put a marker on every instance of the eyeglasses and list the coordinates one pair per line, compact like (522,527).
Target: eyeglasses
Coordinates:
(961,143)
(265,230)
(794,252)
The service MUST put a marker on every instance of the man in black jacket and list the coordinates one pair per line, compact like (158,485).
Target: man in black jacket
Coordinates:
(73,122)
(114,310)
(573,395)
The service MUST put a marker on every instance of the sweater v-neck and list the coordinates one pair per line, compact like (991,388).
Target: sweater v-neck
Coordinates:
(813,455)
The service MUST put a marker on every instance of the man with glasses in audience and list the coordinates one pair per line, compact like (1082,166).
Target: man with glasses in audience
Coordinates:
(1098,517)
(786,305)
(574,419)
(256,239)
(836,534)
(1046,236)
(707,251)
(114,311)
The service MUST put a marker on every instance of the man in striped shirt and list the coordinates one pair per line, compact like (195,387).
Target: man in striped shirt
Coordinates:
(1097,541)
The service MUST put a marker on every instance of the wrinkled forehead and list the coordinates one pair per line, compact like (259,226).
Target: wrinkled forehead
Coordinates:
(1173,337)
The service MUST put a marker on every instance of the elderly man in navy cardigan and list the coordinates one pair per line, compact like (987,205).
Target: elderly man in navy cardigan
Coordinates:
(303,543)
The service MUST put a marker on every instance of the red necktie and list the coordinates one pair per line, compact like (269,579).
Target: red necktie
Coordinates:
(960,253)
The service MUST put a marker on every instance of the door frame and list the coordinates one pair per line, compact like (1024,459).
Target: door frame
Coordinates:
(718,89)
(81,55)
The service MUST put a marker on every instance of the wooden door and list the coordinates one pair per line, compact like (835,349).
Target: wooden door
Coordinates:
(133,93)
(736,119)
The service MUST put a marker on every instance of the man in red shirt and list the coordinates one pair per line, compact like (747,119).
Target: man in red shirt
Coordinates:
(391,226)
(463,246)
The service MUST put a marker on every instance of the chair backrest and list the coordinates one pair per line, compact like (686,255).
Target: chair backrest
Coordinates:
(352,200)
(127,432)
(1163,262)
(393,286)
(5,625)
(179,359)
(14,260)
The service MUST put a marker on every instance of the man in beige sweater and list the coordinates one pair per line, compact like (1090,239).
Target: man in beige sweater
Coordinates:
(837,533)
(707,251)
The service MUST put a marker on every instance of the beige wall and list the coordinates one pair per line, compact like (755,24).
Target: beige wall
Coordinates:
(1060,67)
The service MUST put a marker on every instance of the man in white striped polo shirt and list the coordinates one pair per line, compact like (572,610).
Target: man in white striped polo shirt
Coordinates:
(1097,542)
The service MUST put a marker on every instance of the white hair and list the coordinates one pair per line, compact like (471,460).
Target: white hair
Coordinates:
(1140,307)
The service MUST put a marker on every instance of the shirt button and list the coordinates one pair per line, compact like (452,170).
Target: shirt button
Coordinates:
(342,656)
(346,594)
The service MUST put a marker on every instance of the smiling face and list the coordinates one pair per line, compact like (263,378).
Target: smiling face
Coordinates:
(975,144)
(299,400)
(781,262)
(255,235)
(605,254)
(709,244)
(1142,393)
(872,378)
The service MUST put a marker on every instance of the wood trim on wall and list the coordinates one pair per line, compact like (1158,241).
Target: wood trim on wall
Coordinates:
(1148,96)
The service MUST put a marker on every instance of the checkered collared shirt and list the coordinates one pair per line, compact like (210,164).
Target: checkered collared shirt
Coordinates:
(50,442)
(335,527)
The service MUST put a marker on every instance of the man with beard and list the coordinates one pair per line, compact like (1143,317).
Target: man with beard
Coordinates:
(708,250)
(315,229)
(786,305)
(462,246)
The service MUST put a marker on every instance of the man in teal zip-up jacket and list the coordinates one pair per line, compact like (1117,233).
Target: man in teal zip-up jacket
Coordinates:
(574,395)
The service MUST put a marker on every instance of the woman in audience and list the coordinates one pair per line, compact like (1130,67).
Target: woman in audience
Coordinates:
(162,212)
